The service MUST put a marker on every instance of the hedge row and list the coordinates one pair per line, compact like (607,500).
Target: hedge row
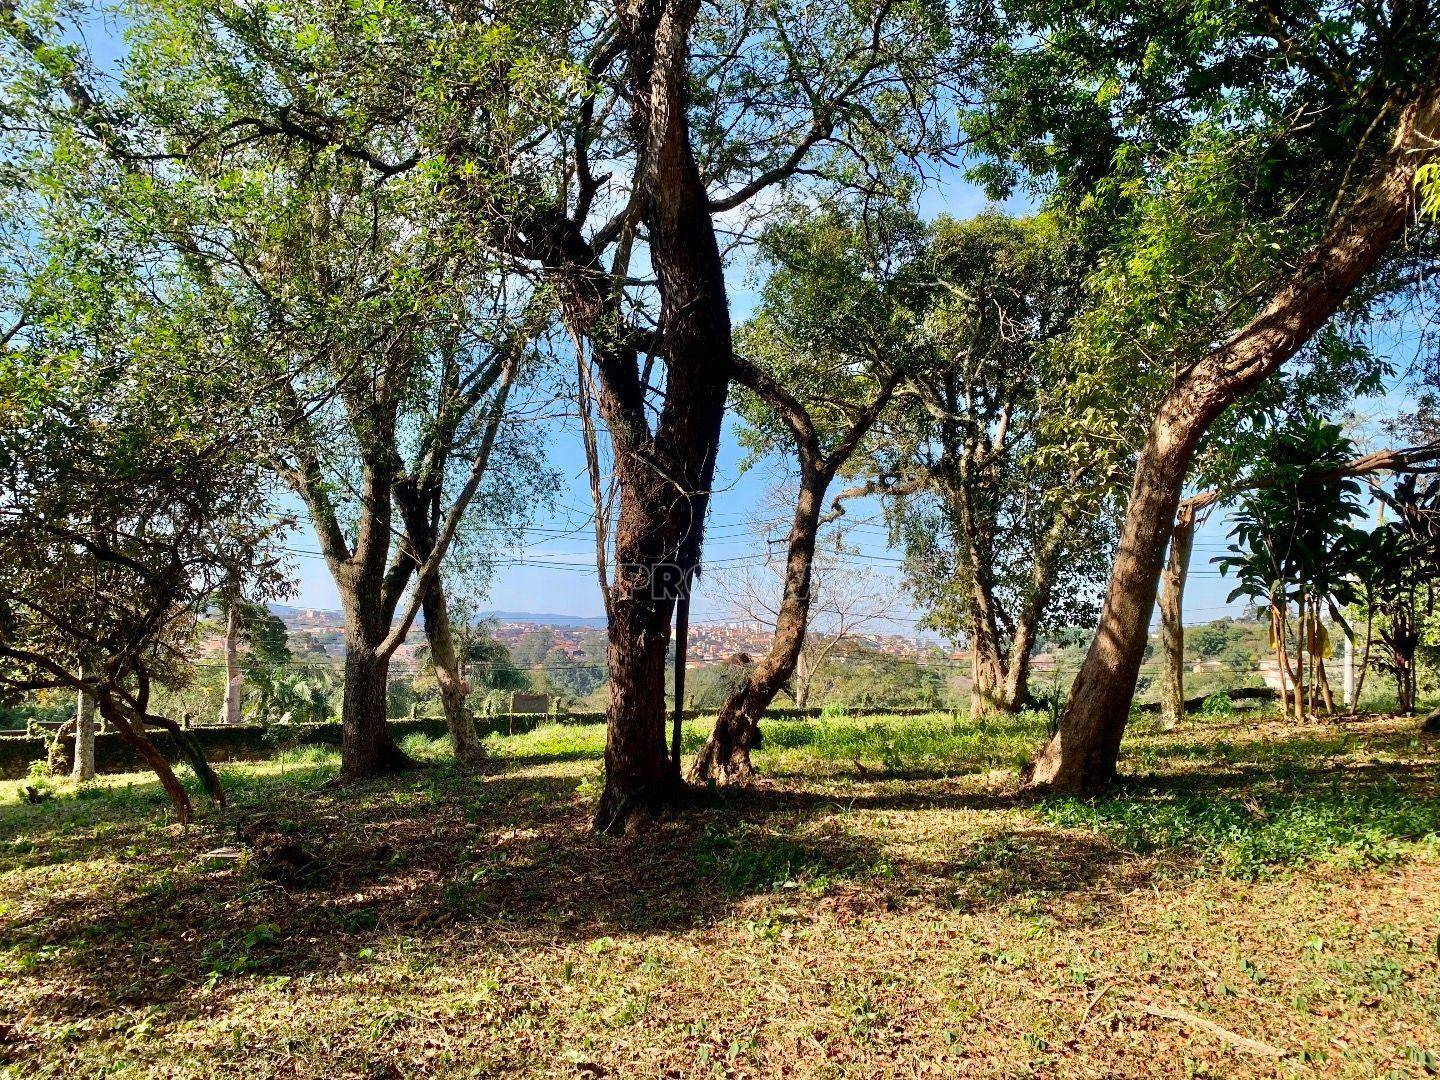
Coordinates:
(252,743)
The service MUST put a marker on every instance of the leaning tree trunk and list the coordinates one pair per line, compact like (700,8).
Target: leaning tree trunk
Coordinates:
(1041,588)
(1322,679)
(189,748)
(450,676)
(1000,674)
(134,735)
(725,757)
(1083,753)
(1017,674)
(1172,626)
(1288,686)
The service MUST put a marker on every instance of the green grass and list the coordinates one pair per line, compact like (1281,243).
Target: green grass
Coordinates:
(1368,823)
(885,901)
(896,744)
(876,741)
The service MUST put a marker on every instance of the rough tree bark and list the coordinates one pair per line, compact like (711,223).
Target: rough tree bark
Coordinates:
(1172,624)
(421,511)
(1000,670)
(664,479)
(725,758)
(1083,753)
(367,748)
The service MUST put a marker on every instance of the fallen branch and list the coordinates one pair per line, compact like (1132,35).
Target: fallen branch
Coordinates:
(1094,1000)
(1240,1042)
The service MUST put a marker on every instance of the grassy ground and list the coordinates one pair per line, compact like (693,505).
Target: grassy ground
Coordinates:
(881,905)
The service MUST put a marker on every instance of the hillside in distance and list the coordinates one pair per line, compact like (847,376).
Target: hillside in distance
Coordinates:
(298,618)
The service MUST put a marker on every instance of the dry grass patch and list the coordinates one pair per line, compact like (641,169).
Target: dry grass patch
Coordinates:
(882,905)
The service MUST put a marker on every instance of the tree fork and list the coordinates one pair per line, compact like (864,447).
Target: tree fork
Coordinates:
(726,755)
(664,478)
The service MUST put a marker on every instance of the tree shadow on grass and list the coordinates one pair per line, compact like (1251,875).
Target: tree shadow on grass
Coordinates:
(459,862)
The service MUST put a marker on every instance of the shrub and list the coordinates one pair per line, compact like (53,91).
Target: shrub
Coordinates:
(1217,704)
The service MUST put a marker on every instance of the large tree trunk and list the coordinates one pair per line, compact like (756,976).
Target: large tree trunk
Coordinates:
(1172,625)
(640,776)
(367,747)
(1083,753)
(987,673)
(234,680)
(665,479)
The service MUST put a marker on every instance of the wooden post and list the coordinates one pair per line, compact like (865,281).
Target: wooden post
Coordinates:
(83,768)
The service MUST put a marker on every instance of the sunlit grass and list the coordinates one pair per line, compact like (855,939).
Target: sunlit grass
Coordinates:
(884,894)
